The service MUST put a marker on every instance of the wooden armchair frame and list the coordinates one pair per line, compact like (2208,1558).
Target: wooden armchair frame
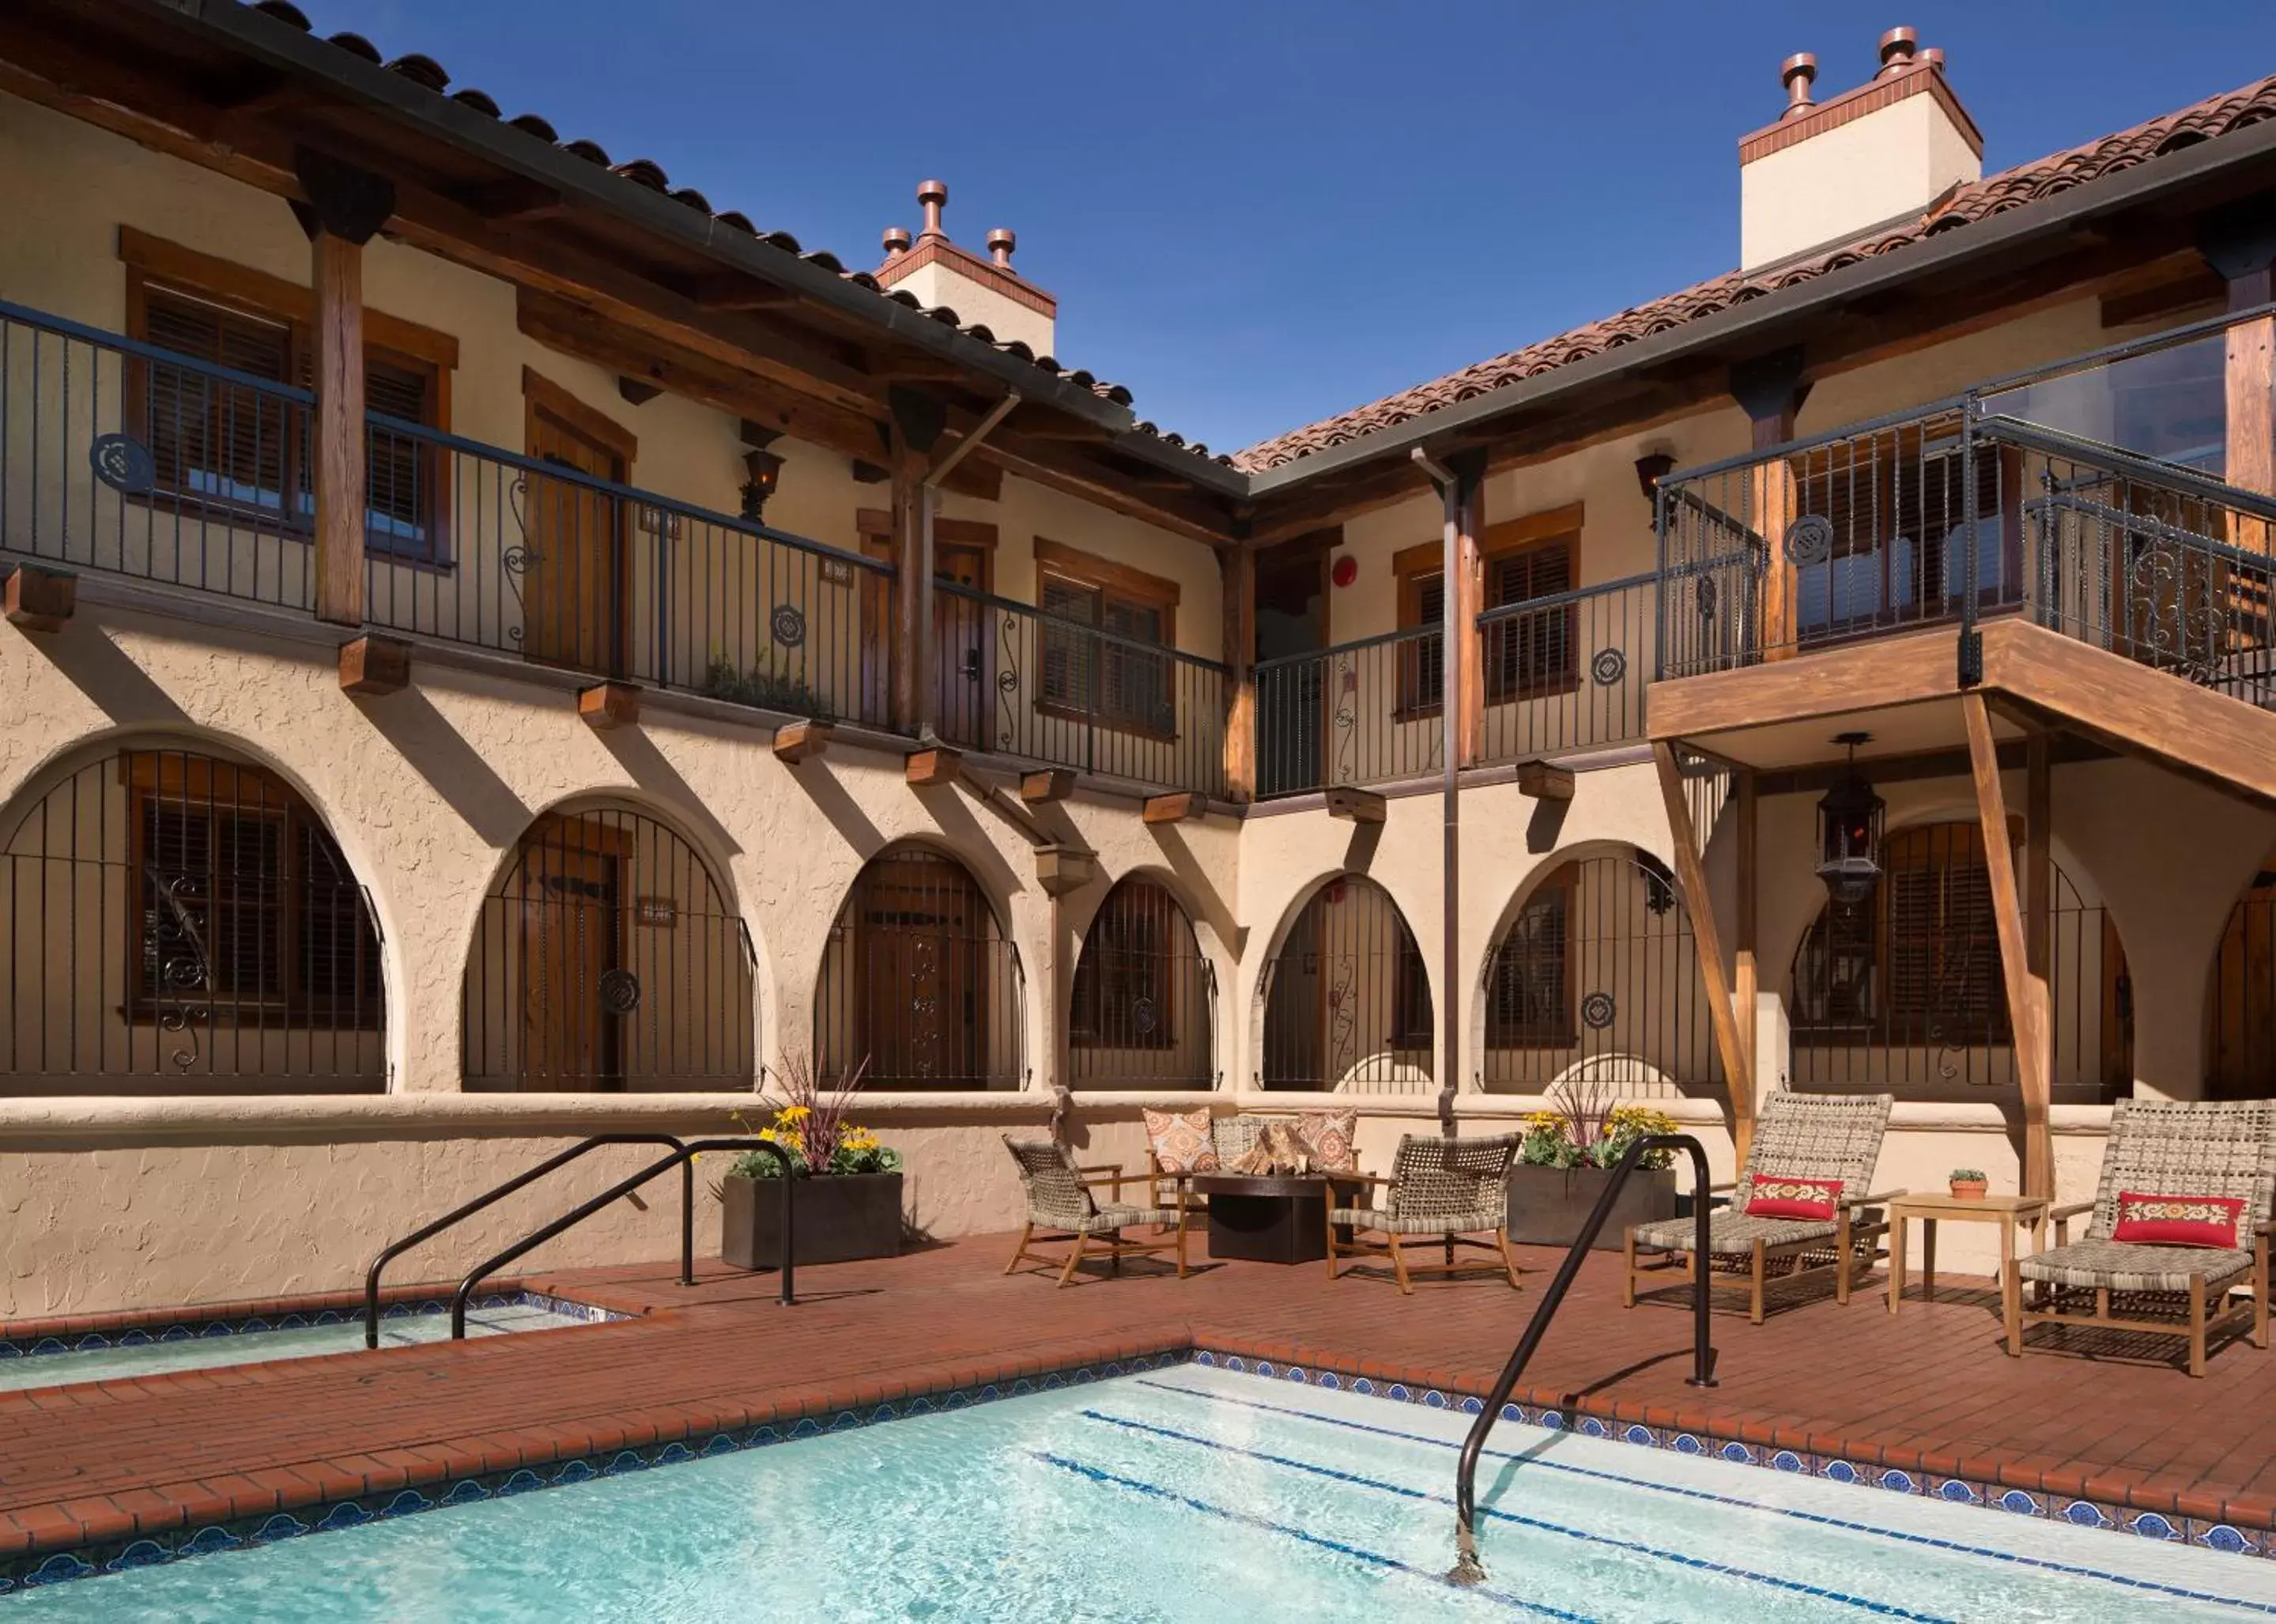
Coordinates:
(1109,1244)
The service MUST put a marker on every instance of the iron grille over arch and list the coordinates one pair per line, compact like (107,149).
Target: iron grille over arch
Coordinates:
(918,980)
(1347,998)
(608,959)
(1141,1012)
(176,922)
(2241,1004)
(1906,990)
(1595,980)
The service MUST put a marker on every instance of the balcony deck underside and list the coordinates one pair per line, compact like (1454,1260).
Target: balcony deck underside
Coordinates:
(1905,691)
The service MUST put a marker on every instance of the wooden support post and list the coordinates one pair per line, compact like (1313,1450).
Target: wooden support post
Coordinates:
(917,421)
(339,464)
(929,769)
(1236,571)
(1183,808)
(41,600)
(2251,371)
(2027,1005)
(609,706)
(799,741)
(1355,805)
(1707,936)
(1049,783)
(1466,594)
(1745,973)
(374,665)
(1771,390)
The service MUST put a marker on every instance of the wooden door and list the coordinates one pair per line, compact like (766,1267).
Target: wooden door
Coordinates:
(876,635)
(1292,700)
(922,1006)
(571,936)
(573,587)
(964,648)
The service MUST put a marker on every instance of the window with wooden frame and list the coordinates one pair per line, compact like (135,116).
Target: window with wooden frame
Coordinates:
(1421,575)
(1920,963)
(1126,678)
(1524,655)
(246,906)
(1411,1025)
(1531,999)
(235,450)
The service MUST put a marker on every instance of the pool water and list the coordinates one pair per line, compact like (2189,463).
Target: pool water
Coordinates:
(1188,1493)
(197,1349)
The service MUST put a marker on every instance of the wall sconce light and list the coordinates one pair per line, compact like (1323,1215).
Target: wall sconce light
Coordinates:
(1651,468)
(766,471)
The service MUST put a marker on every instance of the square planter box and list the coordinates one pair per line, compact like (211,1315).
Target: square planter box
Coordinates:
(837,1219)
(1548,1205)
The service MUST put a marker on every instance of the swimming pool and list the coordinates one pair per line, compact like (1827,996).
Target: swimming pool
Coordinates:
(1187,1493)
(199,1344)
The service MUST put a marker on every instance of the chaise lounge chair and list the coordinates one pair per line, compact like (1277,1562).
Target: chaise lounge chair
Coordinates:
(1805,1145)
(2203,1170)
(1452,1190)
(1060,1205)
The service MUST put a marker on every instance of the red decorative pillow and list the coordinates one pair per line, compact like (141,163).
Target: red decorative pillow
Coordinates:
(2178,1220)
(1783,1196)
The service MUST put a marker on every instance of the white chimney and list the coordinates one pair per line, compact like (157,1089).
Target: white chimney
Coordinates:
(983,292)
(1827,172)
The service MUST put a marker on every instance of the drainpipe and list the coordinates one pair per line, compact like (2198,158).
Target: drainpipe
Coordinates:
(1451,599)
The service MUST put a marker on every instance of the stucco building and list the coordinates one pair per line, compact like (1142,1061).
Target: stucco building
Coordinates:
(500,648)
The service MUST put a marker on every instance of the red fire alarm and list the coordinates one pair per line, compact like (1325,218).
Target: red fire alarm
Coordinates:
(1345,571)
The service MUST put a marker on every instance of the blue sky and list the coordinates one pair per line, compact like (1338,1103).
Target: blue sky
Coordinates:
(1255,215)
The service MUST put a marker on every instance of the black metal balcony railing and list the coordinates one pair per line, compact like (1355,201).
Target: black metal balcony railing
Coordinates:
(1358,713)
(1020,681)
(2089,496)
(543,560)
(124,458)
(1566,672)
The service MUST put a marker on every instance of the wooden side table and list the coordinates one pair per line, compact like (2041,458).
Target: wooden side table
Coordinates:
(2007,1211)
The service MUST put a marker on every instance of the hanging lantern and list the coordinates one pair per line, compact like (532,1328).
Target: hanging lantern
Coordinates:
(1849,833)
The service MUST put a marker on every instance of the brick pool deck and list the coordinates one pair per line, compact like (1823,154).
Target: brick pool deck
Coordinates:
(1928,1390)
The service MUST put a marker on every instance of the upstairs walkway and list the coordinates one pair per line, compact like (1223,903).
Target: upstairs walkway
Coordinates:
(1927,1391)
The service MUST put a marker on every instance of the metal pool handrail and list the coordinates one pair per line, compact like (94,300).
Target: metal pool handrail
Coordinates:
(1468,1570)
(521,1181)
(683,1158)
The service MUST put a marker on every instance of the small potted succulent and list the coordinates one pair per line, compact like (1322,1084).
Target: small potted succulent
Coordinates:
(1969,1184)
(845,1192)
(1565,1158)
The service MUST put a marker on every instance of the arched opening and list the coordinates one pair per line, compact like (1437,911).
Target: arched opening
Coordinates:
(178,922)
(1144,1001)
(1596,983)
(2240,1018)
(1347,998)
(918,980)
(608,959)
(1906,993)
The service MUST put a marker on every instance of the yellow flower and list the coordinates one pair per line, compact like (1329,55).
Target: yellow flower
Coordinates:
(790,1115)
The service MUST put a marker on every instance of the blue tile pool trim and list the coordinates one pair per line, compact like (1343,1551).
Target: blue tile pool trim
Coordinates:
(187,1328)
(1959,1491)
(176,1545)
(239,1534)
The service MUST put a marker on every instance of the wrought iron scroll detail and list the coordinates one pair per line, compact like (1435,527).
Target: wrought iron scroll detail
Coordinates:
(1608,667)
(123,463)
(1007,683)
(185,965)
(517,559)
(1598,1011)
(1808,540)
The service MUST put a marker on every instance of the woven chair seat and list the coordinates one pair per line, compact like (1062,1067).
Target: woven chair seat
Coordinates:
(2118,1267)
(1730,1232)
(1111,1218)
(1476,1221)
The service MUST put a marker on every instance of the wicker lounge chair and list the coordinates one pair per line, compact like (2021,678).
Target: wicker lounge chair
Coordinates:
(1798,1136)
(1060,1206)
(2160,1147)
(1454,1190)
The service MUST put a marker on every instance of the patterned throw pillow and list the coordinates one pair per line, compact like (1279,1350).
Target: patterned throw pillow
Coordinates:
(1330,1137)
(2177,1220)
(1783,1195)
(1180,1141)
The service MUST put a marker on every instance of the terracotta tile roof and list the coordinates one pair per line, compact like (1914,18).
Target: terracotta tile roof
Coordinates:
(1980,199)
(430,75)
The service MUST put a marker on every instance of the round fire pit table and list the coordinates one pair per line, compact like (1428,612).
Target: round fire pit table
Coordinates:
(1271,1218)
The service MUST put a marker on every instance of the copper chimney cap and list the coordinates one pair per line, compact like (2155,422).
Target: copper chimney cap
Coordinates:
(897,241)
(1898,48)
(934,195)
(1932,58)
(1001,242)
(1796,73)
